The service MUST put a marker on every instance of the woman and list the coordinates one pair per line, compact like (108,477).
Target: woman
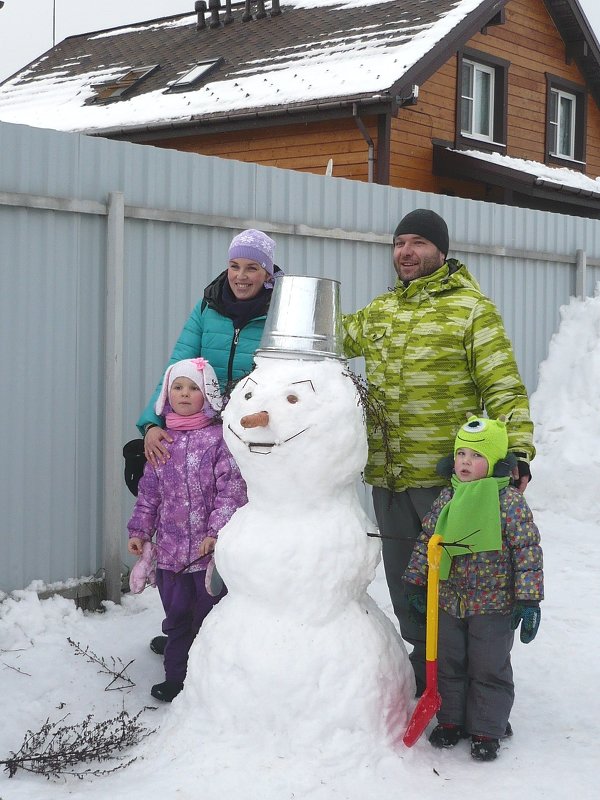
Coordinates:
(225,327)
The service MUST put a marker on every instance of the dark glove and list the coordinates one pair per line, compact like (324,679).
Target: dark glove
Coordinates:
(529,615)
(523,466)
(524,469)
(416,598)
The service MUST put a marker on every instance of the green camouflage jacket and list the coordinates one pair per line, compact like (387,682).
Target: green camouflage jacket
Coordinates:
(434,351)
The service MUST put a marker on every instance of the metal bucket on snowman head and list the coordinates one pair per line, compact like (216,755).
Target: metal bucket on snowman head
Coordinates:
(304,320)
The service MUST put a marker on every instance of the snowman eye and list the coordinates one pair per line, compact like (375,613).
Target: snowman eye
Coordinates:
(248,395)
(292,398)
(475,426)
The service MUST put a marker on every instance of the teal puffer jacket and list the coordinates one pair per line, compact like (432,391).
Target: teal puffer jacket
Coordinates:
(209,332)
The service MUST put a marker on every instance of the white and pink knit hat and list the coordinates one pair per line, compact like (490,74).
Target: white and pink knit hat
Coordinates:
(197,370)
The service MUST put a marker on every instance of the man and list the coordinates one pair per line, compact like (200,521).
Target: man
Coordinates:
(435,350)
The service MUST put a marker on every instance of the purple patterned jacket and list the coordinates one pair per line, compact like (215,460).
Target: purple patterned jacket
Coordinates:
(189,498)
(490,582)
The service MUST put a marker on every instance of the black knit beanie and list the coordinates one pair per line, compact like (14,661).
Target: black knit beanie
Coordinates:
(428,224)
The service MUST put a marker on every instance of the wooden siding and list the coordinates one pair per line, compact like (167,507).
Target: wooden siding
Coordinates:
(531,43)
(306,147)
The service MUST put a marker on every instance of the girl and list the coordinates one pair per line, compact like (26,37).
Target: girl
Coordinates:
(185,502)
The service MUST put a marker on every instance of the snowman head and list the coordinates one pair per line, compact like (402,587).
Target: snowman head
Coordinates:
(296,425)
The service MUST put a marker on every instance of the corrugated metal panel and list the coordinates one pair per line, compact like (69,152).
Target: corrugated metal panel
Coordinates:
(52,298)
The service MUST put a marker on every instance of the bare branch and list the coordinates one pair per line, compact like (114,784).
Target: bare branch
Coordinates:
(56,749)
(117,670)
(16,669)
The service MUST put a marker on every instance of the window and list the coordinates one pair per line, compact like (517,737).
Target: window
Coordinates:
(565,122)
(477,100)
(194,75)
(107,92)
(481,103)
(561,122)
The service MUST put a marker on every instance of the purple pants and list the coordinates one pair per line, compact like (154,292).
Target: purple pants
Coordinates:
(186,603)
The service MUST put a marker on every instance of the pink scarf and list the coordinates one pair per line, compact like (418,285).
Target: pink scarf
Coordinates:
(176,422)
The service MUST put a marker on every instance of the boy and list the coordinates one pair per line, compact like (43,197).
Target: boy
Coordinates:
(491,580)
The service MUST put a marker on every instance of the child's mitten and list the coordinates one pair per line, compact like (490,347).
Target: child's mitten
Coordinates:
(213,582)
(416,598)
(144,570)
(529,615)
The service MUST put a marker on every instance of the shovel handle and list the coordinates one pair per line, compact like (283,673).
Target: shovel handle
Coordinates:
(430,701)
(434,558)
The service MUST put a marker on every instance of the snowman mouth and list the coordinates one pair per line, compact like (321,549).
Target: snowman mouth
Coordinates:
(264,448)
(260,448)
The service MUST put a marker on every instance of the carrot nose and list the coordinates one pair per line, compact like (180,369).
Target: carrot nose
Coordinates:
(258,420)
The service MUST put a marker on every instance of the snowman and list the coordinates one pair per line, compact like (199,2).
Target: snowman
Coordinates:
(297,647)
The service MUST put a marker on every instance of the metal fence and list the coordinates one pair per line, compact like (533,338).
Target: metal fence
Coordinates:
(106,246)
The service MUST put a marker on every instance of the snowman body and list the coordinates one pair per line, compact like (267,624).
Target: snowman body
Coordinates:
(297,647)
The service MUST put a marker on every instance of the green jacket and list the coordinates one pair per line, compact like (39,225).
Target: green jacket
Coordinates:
(435,350)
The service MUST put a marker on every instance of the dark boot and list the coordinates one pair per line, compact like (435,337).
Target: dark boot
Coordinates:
(446,735)
(158,644)
(166,691)
(484,748)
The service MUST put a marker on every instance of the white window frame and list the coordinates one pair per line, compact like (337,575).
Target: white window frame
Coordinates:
(190,78)
(557,125)
(473,102)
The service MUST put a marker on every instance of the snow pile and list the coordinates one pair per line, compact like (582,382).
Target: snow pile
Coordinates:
(566,413)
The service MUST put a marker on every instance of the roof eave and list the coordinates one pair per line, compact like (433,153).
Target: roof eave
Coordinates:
(235,120)
(583,49)
(447,47)
(454,164)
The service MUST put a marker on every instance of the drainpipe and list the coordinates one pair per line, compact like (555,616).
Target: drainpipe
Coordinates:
(362,128)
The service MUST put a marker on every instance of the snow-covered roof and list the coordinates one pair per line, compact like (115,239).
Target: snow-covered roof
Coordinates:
(560,179)
(314,55)
(314,52)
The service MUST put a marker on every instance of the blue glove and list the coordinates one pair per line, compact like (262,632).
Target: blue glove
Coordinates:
(416,598)
(529,615)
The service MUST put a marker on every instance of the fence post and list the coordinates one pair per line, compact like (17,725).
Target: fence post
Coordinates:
(113,396)
(580,274)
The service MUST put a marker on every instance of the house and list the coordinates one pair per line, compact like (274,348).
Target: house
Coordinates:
(495,100)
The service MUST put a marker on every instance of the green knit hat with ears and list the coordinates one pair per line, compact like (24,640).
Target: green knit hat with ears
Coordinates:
(488,437)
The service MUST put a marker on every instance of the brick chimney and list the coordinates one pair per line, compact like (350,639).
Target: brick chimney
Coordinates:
(260,10)
(200,9)
(214,7)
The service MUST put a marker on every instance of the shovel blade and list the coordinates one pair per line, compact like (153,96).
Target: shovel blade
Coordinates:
(427,707)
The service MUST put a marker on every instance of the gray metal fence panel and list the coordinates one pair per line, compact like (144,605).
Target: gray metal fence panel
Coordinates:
(180,212)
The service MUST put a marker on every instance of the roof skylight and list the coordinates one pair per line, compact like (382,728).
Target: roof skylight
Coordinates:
(106,92)
(194,75)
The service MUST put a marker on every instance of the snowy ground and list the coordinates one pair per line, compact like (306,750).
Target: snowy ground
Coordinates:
(556,712)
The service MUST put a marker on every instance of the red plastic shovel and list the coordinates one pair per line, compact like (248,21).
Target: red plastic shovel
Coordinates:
(430,701)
